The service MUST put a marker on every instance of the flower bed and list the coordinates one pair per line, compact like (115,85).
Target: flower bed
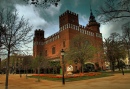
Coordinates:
(93,74)
(68,76)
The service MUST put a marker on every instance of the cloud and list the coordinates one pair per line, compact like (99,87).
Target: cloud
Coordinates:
(53,10)
(28,12)
(76,3)
(83,19)
(51,29)
(94,1)
(111,27)
(37,17)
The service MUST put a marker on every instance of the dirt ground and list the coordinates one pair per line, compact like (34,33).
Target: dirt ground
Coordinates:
(118,81)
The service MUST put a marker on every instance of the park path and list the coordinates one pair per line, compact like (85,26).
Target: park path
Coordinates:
(118,81)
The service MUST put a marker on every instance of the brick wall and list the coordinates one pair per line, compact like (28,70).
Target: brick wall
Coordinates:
(69,27)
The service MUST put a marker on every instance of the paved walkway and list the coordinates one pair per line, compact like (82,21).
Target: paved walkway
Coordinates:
(118,81)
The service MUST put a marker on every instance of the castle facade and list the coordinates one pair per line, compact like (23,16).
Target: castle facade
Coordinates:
(68,28)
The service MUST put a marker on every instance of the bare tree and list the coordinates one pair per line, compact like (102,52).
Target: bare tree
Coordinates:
(113,10)
(80,50)
(15,33)
(114,50)
(43,3)
(126,38)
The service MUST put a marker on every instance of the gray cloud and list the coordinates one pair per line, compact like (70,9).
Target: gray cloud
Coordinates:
(47,19)
(28,12)
(111,27)
(83,20)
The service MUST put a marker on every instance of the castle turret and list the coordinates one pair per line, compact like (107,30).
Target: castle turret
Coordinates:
(38,41)
(93,25)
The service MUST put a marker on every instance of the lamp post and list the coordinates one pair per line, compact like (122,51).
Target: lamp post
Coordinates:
(63,66)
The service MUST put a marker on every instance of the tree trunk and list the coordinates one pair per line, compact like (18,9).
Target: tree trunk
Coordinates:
(38,74)
(118,64)
(53,69)
(82,69)
(26,72)
(122,70)
(7,70)
(112,66)
(128,58)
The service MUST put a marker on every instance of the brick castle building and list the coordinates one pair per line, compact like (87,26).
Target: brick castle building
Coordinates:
(68,28)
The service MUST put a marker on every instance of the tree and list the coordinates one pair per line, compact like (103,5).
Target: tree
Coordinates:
(43,3)
(27,60)
(38,62)
(114,49)
(15,32)
(54,66)
(113,10)
(126,38)
(121,64)
(80,50)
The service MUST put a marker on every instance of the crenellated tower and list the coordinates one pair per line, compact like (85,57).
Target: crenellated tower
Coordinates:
(68,17)
(38,41)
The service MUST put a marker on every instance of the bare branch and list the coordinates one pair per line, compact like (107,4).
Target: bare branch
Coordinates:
(114,10)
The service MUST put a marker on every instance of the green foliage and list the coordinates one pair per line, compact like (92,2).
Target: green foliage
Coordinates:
(40,62)
(37,62)
(80,50)
(54,63)
(27,60)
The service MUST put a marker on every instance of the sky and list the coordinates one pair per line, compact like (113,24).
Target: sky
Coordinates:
(48,19)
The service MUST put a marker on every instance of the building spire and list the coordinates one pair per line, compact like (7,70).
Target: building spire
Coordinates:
(91,10)
(92,17)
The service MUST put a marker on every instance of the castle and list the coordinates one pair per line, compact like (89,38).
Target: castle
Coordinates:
(68,27)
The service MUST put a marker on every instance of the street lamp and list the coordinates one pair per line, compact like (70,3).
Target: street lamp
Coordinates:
(63,66)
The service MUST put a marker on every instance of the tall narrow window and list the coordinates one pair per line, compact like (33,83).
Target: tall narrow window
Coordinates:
(53,50)
(63,43)
(45,52)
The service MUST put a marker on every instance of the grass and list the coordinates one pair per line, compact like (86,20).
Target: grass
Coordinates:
(125,71)
(73,78)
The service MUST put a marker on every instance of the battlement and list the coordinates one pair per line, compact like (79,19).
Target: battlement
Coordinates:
(39,30)
(52,38)
(68,12)
(52,35)
(72,26)
(39,33)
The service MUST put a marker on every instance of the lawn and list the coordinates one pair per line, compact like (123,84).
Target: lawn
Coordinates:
(69,78)
(117,71)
